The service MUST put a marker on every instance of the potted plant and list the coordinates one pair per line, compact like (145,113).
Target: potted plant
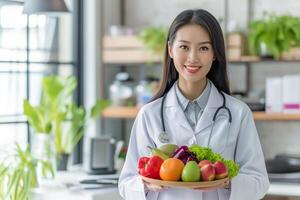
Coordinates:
(154,39)
(65,120)
(18,175)
(42,147)
(68,128)
(276,33)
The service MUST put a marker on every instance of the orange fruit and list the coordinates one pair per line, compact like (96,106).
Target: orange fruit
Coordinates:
(171,169)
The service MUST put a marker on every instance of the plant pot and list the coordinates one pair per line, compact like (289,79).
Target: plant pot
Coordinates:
(62,162)
(264,51)
(119,163)
(292,54)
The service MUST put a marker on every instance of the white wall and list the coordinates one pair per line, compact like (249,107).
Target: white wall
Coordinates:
(140,13)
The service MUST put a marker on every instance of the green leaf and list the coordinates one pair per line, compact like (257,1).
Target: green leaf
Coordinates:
(12,182)
(99,107)
(52,87)
(205,153)
(47,168)
(3,170)
(37,117)
(16,187)
(154,39)
(70,85)
(277,32)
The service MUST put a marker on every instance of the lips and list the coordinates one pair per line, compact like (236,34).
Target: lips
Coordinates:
(192,69)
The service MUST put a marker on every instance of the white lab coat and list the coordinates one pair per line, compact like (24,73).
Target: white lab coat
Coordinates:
(240,136)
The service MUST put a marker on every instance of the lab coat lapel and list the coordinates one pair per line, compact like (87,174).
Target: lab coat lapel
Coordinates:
(173,111)
(215,100)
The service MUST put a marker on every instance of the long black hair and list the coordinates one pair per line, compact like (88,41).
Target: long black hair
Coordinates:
(218,71)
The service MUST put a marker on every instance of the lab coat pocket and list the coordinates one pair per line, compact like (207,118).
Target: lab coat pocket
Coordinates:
(218,137)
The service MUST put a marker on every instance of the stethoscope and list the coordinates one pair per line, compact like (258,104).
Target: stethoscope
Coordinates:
(163,136)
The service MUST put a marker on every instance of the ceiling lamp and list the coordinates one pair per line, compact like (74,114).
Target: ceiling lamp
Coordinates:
(45,7)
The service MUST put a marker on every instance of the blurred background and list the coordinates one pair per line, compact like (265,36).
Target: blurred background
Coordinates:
(113,49)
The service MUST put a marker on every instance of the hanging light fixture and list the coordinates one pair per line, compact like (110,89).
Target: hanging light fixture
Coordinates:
(44,7)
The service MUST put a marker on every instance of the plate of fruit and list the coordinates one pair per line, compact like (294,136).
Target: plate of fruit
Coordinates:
(186,167)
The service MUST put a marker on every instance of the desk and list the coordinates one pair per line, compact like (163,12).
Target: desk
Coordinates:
(57,189)
(284,189)
(66,187)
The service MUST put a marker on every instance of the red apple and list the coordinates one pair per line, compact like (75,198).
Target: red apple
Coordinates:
(207,172)
(221,170)
(203,162)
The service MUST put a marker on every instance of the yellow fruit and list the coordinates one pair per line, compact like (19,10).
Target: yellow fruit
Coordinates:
(158,152)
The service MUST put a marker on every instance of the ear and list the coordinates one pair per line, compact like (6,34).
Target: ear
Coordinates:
(170,49)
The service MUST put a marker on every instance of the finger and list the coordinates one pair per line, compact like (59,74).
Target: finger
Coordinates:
(153,187)
(156,188)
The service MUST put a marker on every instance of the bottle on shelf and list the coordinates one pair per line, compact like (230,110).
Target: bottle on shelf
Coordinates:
(145,90)
(121,91)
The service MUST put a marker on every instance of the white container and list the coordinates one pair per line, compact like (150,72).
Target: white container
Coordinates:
(274,95)
(120,92)
(143,93)
(291,94)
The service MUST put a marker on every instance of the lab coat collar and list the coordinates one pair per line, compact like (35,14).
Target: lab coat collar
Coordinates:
(215,100)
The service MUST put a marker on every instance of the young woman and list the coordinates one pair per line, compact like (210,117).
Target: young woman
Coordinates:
(185,111)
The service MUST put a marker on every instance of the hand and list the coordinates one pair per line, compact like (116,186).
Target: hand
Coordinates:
(208,189)
(153,187)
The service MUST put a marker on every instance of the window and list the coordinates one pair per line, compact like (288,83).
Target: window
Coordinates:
(30,48)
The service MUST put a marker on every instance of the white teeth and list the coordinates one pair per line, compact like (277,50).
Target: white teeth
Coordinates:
(194,67)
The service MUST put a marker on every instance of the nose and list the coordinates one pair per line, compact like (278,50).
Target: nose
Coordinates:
(193,57)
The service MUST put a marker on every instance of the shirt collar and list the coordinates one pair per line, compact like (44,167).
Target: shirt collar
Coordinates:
(201,100)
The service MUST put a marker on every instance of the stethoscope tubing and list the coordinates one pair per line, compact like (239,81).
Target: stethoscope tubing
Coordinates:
(163,137)
(214,118)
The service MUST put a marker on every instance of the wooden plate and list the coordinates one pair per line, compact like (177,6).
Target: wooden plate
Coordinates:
(180,184)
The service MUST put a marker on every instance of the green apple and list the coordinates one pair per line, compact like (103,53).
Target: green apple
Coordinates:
(190,172)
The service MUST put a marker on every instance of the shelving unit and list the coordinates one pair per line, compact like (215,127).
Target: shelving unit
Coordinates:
(129,50)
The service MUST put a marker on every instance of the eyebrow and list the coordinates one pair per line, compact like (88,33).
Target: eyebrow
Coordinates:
(200,43)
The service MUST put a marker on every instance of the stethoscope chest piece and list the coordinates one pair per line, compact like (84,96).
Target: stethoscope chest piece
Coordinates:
(163,137)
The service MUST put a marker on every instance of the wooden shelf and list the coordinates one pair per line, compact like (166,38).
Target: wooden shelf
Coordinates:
(120,112)
(263,116)
(131,112)
(127,49)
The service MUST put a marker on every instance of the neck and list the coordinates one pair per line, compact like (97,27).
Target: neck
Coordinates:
(192,90)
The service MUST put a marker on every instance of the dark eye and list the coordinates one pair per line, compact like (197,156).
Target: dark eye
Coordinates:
(204,48)
(184,47)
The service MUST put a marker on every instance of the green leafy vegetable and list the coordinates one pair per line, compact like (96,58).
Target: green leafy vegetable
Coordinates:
(205,153)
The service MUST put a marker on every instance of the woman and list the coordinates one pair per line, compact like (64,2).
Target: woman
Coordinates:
(194,85)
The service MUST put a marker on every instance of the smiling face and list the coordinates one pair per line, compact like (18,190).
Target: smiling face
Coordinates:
(192,54)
